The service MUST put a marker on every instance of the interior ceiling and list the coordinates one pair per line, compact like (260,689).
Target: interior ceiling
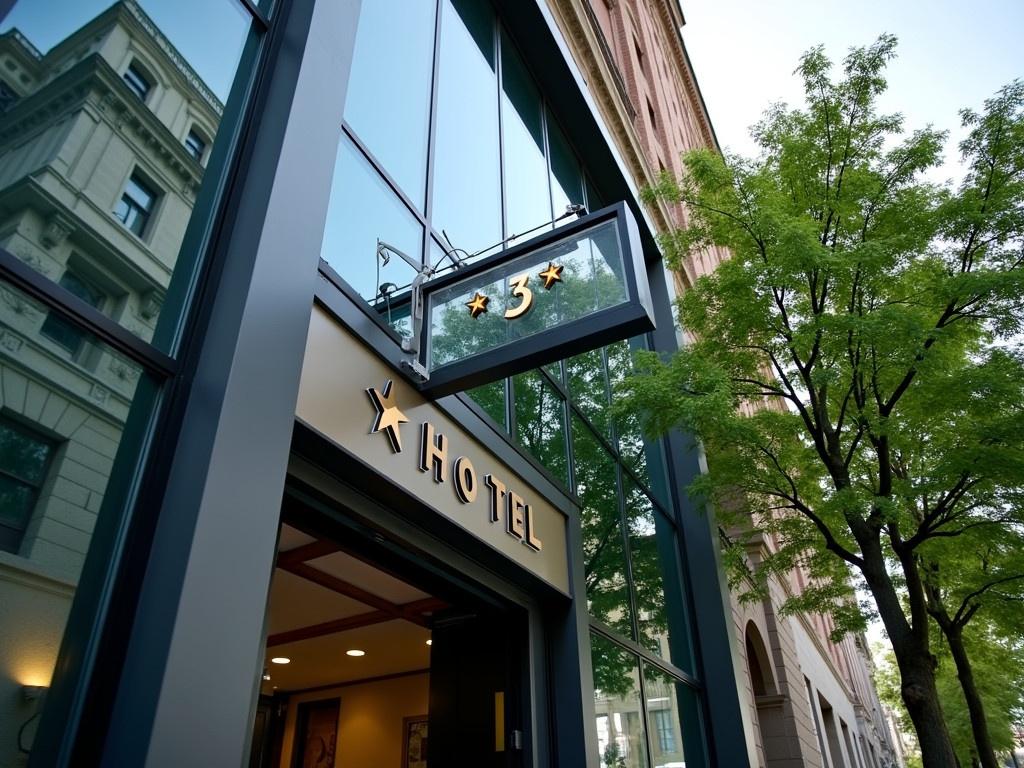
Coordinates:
(324,602)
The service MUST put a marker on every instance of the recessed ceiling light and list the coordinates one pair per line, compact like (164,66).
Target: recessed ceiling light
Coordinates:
(430,642)
(280,660)
(355,652)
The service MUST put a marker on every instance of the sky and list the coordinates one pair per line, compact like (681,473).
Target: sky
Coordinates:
(951,55)
(211,47)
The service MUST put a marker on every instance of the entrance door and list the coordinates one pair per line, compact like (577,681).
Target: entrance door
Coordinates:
(474,706)
(376,656)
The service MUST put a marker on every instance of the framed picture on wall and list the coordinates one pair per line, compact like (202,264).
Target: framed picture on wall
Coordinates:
(316,733)
(414,742)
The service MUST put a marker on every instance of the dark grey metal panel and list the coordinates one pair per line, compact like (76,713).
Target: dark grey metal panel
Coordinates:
(572,675)
(192,668)
(726,718)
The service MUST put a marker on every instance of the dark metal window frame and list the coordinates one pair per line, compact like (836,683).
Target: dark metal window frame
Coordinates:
(138,81)
(84,315)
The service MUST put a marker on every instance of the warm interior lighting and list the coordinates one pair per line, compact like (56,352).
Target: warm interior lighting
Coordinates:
(33,692)
(355,652)
(280,660)
(430,642)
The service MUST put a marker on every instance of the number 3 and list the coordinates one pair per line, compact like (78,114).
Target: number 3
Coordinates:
(518,286)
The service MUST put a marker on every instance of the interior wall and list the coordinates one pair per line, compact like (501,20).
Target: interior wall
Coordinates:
(370,721)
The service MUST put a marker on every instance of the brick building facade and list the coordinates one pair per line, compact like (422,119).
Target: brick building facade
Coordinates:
(811,702)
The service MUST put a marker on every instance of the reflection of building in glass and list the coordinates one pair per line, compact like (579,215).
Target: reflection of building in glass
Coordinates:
(637,69)
(103,142)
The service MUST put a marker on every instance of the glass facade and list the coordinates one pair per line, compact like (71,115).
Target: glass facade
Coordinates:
(112,207)
(106,202)
(482,191)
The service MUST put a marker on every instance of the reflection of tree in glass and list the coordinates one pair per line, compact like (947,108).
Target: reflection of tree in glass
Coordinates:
(615,670)
(540,421)
(588,389)
(589,283)
(457,334)
(604,553)
(612,757)
(627,424)
(617,700)
(649,564)
(491,397)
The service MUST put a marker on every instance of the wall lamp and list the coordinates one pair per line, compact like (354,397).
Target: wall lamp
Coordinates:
(34,692)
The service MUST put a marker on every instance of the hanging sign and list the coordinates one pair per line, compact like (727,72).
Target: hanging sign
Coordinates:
(568,291)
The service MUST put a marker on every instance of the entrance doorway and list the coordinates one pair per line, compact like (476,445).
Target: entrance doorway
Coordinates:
(374,658)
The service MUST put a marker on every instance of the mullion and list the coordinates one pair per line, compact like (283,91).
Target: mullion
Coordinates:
(627,551)
(599,627)
(428,230)
(256,13)
(612,450)
(19,480)
(384,175)
(82,314)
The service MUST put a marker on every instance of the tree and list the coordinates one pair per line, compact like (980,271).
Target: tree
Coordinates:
(853,373)
(997,654)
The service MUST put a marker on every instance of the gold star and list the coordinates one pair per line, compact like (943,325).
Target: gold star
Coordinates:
(478,305)
(388,415)
(551,275)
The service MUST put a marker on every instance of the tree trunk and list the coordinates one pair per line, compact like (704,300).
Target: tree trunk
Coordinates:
(913,656)
(921,698)
(975,707)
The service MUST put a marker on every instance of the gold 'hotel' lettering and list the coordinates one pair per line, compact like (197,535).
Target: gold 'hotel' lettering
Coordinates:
(433,458)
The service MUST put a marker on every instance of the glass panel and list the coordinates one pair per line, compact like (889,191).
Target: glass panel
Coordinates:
(491,397)
(588,388)
(631,440)
(566,177)
(363,211)
(621,741)
(657,585)
(61,424)
(68,184)
(604,556)
(527,203)
(16,502)
(554,370)
(540,421)
(467,180)
(565,281)
(666,699)
(388,101)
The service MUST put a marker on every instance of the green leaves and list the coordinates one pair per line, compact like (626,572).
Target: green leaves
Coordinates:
(854,374)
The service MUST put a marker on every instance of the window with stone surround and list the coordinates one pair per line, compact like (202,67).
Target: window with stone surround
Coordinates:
(24,460)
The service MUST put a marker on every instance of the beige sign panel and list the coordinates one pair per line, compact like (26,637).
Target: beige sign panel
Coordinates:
(352,397)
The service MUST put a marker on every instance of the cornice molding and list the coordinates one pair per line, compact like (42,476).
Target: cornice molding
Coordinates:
(574,22)
(665,15)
